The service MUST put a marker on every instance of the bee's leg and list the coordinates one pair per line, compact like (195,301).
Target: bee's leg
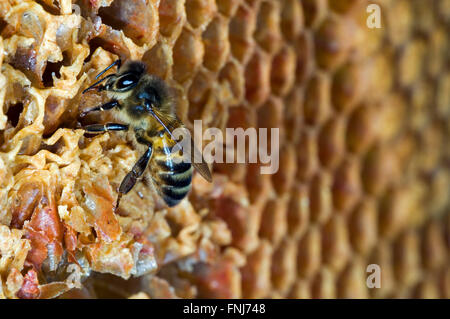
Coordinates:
(99,128)
(131,178)
(105,107)
(118,62)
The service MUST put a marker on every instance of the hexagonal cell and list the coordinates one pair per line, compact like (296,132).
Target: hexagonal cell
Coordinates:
(392,116)
(235,171)
(314,11)
(394,212)
(346,185)
(285,177)
(188,54)
(350,84)
(292,20)
(206,278)
(331,142)
(171,17)
(307,157)
(431,142)
(256,273)
(138,19)
(420,100)
(304,47)
(200,12)
(257,79)
(320,197)
(362,128)
(217,47)
(309,253)
(283,71)
(238,218)
(258,185)
(410,63)
(274,221)
(333,41)
(363,226)
(215,113)
(381,74)
(270,116)
(267,33)
(379,167)
(241,28)
(232,80)
(293,103)
(241,117)
(284,266)
(317,99)
(198,95)
(336,247)
(436,51)
(228,7)
(298,211)
(424,18)
(182,104)
(399,19)
(159,59)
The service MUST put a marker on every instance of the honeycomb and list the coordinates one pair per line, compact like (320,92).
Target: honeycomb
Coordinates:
(364,177)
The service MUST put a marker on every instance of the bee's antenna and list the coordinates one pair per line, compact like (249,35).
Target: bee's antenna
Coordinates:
(98,82)
(118,62)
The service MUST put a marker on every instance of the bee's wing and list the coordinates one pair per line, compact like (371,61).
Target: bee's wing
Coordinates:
(201,167)
(170,125)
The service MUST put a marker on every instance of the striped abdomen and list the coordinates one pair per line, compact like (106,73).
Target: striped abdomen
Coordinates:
(172,178)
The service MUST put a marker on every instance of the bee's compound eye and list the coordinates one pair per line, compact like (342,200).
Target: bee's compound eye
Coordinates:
(126,81)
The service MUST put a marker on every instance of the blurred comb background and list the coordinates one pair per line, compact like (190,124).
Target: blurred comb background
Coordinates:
(364,178)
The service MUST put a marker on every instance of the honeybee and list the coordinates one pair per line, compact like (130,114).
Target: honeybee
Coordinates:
(143,103)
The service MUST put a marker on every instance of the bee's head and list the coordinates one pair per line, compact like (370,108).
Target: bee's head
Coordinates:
(132,81)
(126,78)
